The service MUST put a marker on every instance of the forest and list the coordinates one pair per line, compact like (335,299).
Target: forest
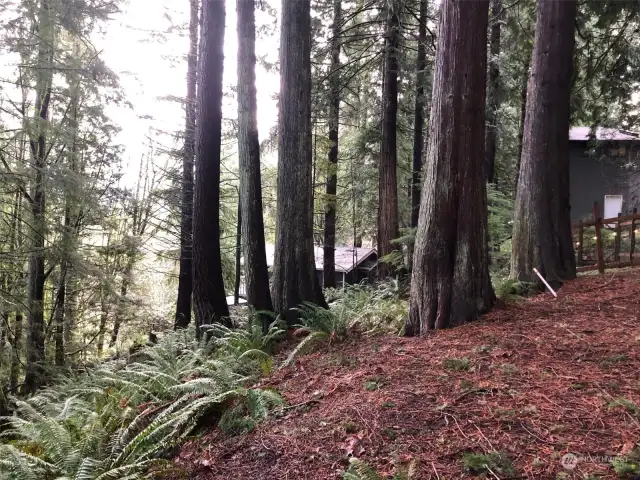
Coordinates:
(207,207)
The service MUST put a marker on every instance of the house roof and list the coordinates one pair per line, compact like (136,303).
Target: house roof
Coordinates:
(347,258)
(583,134)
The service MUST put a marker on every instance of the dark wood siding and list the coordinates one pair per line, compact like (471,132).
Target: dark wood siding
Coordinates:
(604,170)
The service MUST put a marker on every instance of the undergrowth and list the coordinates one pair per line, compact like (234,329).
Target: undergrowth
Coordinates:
(120,420)
(363,308)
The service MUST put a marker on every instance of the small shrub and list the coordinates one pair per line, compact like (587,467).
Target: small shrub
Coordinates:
(627,467)
(350,428)
(484,464)
(628,405)
(359,470)
(457,364)
(513,289)
(509,368)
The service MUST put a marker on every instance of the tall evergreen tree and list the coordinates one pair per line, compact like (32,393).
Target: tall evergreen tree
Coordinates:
(450,281)
(388,187)
(256,272)
(418,119)
(329,256)
(542,222)
(39,149)
(294,274)
(493,91)
(185,279)
(209,297)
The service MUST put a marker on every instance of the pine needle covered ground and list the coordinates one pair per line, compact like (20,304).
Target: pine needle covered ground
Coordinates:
(505,397)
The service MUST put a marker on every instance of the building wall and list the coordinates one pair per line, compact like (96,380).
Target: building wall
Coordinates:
(603,171)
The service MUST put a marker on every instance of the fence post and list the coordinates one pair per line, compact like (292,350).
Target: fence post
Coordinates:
(632,237)
(598,224)
(616,244)
(580,239)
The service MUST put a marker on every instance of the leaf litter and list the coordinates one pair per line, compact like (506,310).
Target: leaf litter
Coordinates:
(547,377)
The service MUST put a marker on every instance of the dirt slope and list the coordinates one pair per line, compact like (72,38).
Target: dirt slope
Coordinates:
(544,378)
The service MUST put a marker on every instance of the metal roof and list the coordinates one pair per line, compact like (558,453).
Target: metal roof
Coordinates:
(583,134)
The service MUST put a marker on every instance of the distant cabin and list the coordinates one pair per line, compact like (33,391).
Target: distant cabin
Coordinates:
(604,168)
(353,265)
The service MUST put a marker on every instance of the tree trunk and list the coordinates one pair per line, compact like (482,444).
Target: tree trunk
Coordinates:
(388,187)
(294,273)
(58,320)
(4,332)
(123,302)
(35,374)
(185,276)
(209,297)
(104,316)
(523,112)
(329,241)
(236,287)
(450,282)
(15,358)
(256,272)
(493,92)
(418,120)
(542,222)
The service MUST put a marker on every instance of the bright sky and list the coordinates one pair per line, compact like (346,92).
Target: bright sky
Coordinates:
(152,66)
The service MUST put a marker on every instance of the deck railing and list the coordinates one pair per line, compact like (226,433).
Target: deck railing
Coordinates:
(606,242)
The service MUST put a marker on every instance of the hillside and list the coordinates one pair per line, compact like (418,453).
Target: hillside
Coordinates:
(533,380)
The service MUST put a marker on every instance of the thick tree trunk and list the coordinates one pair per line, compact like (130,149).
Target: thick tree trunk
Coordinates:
(294,274)
(450,282)
(236,286)
(209,297)
(542,222)
(493,91)
(523,113)
(256,272)
(16,343)
(388,187)
(329,241)
(35,374)
(418,120)
(185,276)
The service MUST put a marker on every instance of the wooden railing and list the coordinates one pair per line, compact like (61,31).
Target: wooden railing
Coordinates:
(620,226)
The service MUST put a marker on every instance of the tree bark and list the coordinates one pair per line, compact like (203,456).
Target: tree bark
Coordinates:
(15,358)
(4,333)
(523,113)
(236,286)
(209,297)
(104,316)
(35,374)
(388,187)
(185,276)
(329,240)
(450,282)
(294,274)
(542,222)
(493,91)
(121,310)
(256,272)
(418,120)
(58,319)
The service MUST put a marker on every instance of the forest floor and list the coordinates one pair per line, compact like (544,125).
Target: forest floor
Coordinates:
(534,379)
